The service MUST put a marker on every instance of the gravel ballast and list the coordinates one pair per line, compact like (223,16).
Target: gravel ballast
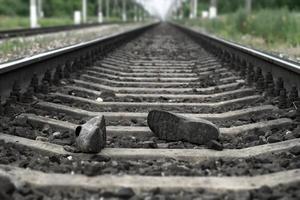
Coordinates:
(22,47)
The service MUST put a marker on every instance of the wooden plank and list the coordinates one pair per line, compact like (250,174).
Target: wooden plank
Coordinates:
(192,155)
(141,131)
(142,183)
(133,115)
(157,105)
(87,84)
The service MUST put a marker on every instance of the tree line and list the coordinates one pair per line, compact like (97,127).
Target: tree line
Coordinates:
(226,6)
(229,6)
(61,8)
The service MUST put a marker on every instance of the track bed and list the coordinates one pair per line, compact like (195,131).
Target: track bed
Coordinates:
(257,155)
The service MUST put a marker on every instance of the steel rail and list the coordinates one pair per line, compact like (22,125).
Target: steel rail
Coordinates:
(43,30)
(240,57)
(22,70)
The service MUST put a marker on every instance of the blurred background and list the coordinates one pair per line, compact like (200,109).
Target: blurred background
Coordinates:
(268,25)
(271,25)
(16,13)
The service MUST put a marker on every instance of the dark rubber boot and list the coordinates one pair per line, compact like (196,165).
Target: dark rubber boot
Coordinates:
(173,127)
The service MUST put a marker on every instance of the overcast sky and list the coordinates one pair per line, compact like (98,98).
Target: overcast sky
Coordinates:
(158,7)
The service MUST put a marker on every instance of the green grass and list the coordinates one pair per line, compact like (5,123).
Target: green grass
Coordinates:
(273,26)
(13,22)
(23,22)
(46,22)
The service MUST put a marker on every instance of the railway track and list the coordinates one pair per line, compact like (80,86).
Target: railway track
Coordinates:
(34,31)
(125,76)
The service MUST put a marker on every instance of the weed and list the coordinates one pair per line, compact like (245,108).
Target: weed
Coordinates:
(274,26)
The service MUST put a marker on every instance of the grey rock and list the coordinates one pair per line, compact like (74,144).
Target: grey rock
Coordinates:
(243,195)
(295,150)
(100,158)
(4,125)
(108,99)
(107,194)
(91,136)
(56,134)
(107,93)
(114,163)
(215,145)
(149,144)
(4,196)
(289,137)
(62,142)
(92,169)
(262,140)
(296,132)
(125,193)
(291,114)
(24,189)
(273,139)
(42,139)
(56,101)
(46,129)
(20,121)
(6,186)
(71,149)
(251,138)
(54,159)
(259,132)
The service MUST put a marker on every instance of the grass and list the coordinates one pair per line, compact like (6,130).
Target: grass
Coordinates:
(13,22)
(13,47)
(23,22)
(46,22)
(275,31)
(272,26)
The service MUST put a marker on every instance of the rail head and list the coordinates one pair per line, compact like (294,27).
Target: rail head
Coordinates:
(22,70)
(23,32)
(23,62)
(289,65)
(286,70)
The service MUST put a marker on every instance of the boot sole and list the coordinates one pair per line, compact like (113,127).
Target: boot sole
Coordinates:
(173,127)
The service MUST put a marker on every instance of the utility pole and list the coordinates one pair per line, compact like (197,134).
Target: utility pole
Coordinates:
(142,14)
(107,10)
(248,6)
(191,9)
(195,8)
(146,16)
(135,18)
(213,11)
(33,14)
(180,9)
(139,14)
(40,9)
(100,13)
(84,10)
(114,9)
(124,14)
(174,12)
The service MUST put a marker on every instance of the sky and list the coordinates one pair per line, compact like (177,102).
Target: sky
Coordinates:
(158,7)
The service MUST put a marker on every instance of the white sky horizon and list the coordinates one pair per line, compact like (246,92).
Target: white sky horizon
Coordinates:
(158,8)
